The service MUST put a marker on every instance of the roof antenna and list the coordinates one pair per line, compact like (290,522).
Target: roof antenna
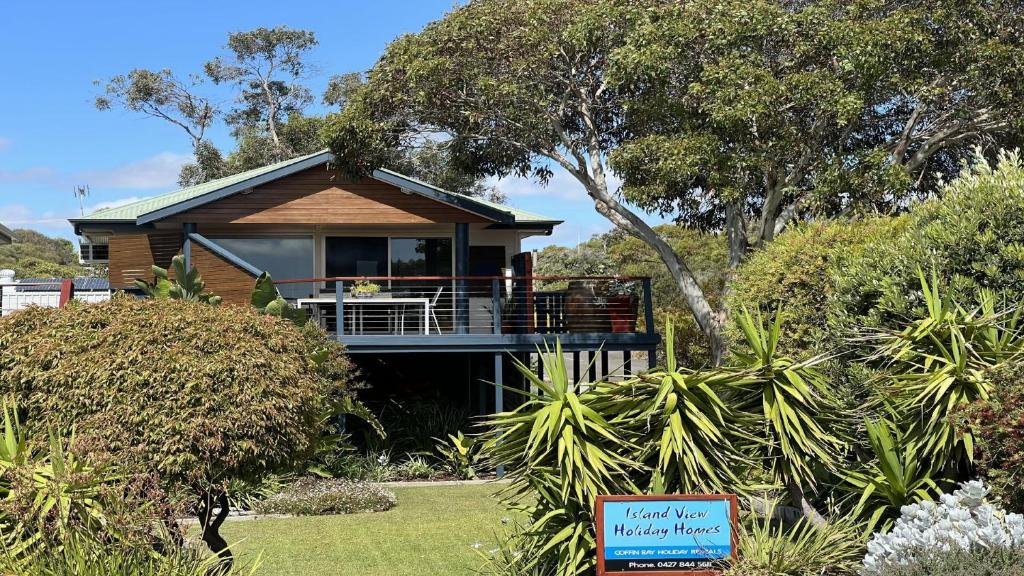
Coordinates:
(81,192)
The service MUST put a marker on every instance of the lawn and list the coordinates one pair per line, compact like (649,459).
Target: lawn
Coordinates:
(432,531)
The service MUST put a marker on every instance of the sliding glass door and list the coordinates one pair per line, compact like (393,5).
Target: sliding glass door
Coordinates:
(355,256)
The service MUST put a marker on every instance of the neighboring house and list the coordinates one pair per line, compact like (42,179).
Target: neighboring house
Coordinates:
(6,236)
(455,295)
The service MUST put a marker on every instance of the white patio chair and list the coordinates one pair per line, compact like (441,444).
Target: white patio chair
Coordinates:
(433,306)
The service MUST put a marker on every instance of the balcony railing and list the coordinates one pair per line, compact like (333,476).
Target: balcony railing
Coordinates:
(441,305)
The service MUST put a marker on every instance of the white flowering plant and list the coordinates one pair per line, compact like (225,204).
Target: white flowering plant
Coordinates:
(959,522)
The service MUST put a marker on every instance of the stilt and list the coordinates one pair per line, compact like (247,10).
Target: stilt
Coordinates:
(499,396)
(576,367)
(604,365)
(652,358)
(627,363)
(591,367)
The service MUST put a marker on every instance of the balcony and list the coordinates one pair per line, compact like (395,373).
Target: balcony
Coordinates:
(483,313)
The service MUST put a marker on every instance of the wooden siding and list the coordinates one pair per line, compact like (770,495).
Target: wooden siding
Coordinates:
(322,196)
(132,256)
(223,278)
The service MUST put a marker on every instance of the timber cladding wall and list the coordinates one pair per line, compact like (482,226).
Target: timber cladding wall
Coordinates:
(132,256)
(322,196)
(223,278)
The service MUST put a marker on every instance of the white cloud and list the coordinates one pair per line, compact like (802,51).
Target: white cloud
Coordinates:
(158,171)
(22,216)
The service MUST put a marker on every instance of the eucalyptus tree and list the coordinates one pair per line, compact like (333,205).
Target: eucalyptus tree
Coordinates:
(734,116)
(266,64)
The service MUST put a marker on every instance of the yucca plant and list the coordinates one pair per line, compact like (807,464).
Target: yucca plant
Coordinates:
(940,363)
(560,454)
(796,408)
(896,476)
(53,492)
(686,433)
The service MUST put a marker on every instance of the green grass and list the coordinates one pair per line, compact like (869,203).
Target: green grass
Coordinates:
(431,532)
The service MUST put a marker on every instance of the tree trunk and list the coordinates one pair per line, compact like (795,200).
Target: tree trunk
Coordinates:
(709,321)
(211,529)
(799,497)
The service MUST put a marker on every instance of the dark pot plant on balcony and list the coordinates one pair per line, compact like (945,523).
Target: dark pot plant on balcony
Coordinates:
(621,303)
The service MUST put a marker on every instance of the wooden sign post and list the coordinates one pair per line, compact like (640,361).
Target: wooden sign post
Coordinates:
(667,535)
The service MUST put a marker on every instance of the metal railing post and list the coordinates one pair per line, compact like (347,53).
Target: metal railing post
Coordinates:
(339,313)
(496,304)
(648,305)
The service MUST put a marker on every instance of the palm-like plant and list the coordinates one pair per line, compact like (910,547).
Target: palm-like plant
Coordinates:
(688,435)
(186,285)
(559,454)
(896,477)
(940,363)
(59,491)
(795,405)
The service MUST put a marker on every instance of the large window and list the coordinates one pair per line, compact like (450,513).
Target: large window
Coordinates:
(421,257)
(284,258)
(355,256)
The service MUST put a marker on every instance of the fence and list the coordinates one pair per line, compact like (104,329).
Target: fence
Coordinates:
(20,294)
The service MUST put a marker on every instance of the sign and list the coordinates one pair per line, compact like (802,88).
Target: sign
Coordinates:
(684,534)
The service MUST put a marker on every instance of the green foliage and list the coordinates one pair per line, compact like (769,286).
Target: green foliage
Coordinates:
(459,455)
(365,287)
(998,424)
(939,363)
(796,405)
(897,475)
(187,284)
(46,494)
(797,274)
(768,548)
(34,255)
(198,393)
(266,298)
(81,556)
(968,236)
(320,496)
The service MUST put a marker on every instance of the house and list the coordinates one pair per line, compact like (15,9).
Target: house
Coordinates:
(428,289)
(6,236)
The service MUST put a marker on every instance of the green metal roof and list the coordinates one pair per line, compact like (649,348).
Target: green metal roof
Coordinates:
(145,206)
(157,207)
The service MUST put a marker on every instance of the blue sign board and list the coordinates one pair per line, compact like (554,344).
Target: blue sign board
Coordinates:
(664,535)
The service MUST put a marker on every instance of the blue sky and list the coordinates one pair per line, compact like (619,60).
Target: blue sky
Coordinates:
(52,138)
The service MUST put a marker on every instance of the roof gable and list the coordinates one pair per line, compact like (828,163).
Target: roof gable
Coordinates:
(164,206)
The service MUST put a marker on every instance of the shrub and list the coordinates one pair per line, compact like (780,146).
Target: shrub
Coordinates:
(970,235)
(319,496)
(798,272)
(997,562)
(197,393)
(86,557)
(459,455)
(767,548)
(959,521)
(998,424)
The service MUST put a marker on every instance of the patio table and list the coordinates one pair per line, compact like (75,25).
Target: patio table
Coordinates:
(358,304)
